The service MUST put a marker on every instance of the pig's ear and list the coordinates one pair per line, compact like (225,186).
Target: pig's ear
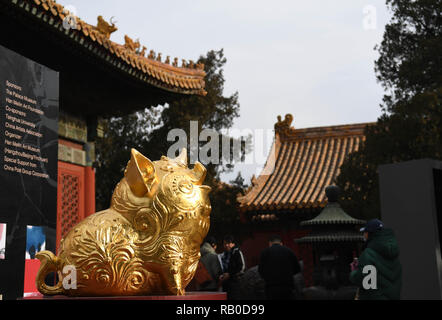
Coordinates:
(140,175)
(199,172)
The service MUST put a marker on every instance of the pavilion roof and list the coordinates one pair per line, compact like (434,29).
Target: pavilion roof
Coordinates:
(300,165)
(128,57)
(338,236)
(332,214)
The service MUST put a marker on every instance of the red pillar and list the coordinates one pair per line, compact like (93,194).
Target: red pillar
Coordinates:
(89,191)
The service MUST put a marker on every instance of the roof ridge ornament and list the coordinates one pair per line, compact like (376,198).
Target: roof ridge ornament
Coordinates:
(200,66)
(143,51)
(104,27)
(130,44)
(332,192)
(283,127)
(168,75)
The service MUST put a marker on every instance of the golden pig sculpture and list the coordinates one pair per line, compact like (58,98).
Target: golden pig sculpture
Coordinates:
(146,243)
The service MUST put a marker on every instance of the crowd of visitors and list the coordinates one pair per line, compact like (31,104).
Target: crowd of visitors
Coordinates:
(275,277)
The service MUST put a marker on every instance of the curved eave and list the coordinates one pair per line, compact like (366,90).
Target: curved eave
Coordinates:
(302,162)
(152,72)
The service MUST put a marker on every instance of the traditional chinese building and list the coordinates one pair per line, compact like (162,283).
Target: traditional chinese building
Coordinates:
(290,189)
(98,79)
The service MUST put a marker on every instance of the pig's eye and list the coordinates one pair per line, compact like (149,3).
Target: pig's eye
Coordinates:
(182,193)
(182,185)
(185,186)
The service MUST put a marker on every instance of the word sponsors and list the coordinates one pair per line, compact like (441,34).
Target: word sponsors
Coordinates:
(21,156)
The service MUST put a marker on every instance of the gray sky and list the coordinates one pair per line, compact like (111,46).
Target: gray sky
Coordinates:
(313,59)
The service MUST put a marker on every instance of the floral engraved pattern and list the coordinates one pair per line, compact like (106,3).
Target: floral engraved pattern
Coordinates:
(106,256)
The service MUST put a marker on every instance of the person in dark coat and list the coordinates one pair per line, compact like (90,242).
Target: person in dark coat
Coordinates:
(381,252)
(210,260)
(278,264)
(233,265)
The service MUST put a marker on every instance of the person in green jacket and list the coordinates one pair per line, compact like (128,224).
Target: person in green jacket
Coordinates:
(378,262)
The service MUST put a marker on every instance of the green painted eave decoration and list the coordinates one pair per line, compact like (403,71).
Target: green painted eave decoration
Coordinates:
(332,237)
(332,214)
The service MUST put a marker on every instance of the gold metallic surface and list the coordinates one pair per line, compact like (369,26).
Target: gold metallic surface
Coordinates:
(146,243)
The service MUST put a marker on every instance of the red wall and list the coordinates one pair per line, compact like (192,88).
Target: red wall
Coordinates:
(75,196)
(259,240)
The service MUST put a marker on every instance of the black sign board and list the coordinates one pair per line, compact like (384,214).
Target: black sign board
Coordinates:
(29,105)
(411,204)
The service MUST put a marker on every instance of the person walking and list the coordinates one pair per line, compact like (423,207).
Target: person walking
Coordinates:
(210,261)
(233,265)
(277,266)
(381,256)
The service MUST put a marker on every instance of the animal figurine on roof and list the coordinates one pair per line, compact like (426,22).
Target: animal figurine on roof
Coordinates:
(130,44)
(143,51)
(104,27)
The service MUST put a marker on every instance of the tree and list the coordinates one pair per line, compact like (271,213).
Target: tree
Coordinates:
(213,111)
(112,151)
(147,131)
(410,127)
(224,218)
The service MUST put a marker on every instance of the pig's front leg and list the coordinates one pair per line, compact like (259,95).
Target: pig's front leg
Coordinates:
(170,275)
(173,277)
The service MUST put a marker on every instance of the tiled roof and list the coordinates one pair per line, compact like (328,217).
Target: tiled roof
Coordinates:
(187,79)
(301,163)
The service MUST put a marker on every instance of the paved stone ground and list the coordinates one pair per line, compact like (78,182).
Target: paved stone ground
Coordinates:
(321,293)
(252,288)
(252,285)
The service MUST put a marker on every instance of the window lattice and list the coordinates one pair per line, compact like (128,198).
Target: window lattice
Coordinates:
(70,202)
